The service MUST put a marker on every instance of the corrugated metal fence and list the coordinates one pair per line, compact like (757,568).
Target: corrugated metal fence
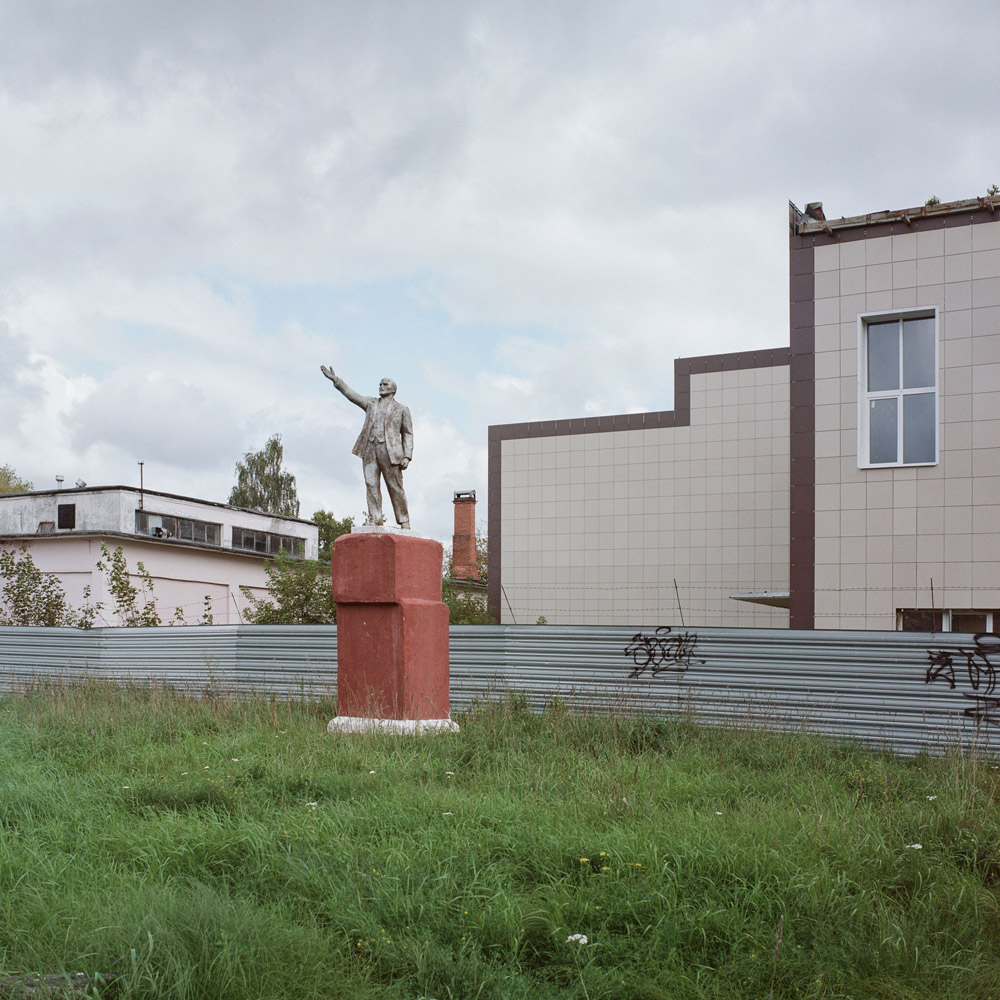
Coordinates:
(911,691)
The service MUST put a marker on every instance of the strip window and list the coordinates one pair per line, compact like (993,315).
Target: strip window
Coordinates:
(970,621)
(185,528)
(267,543)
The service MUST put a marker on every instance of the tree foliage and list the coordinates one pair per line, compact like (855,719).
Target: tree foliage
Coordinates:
(299,593)
(31,597)
(134,606)
(261,483)
(465,608)
(11,482)
(330,529)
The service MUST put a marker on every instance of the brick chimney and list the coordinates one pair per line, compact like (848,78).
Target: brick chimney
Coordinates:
(463,545)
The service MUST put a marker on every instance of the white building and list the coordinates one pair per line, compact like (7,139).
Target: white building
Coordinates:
(193,549)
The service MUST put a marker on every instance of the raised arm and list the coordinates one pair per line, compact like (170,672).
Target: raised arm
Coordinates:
(355,397)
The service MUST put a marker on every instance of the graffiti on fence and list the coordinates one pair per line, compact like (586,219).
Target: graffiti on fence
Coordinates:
(979,661)
(663,651)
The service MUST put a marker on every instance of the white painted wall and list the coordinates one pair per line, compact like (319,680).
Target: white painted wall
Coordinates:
(182,575)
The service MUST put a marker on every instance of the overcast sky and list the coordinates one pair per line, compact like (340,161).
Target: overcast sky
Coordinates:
(519,211)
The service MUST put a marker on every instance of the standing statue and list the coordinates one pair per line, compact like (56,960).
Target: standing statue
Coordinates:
(385,445)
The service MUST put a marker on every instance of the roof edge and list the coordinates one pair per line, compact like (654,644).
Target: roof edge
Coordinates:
(77,490)
(805,224)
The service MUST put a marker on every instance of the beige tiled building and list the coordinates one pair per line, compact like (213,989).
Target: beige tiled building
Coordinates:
(849,480)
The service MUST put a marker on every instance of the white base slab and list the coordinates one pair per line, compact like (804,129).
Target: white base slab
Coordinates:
(354,724)
(383,529)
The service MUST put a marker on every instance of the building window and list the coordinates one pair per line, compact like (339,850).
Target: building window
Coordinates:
(897,373)
(66,515)
(957,620)
(267,543)
(184,528)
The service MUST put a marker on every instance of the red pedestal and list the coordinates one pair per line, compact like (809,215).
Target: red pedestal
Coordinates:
(392,633)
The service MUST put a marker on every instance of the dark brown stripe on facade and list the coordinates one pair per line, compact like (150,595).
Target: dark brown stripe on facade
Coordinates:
(802,440)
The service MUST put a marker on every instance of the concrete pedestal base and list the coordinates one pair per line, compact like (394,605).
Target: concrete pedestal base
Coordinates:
(346,724)
(392,634)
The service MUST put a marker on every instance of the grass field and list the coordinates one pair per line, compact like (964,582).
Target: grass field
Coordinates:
(235,849)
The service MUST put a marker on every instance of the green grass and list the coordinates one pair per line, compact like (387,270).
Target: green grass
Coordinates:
(312,865)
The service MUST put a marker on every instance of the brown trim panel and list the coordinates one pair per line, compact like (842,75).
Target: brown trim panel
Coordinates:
(679,416)
(802,442)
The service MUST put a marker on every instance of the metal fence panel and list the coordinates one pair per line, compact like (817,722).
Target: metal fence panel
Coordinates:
(911,691)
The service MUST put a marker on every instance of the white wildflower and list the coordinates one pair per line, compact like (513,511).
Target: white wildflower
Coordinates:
(578,938)
(931,798)
(915,847)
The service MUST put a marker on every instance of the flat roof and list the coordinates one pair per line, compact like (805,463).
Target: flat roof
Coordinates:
(77,490)
(179,543)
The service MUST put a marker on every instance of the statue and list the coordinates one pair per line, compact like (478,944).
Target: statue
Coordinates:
(385,445)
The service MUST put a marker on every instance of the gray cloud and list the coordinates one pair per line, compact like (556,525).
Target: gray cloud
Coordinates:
(161,418)
(18,391)
(581,191)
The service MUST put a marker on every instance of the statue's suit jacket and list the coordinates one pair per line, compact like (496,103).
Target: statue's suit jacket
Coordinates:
(398,425)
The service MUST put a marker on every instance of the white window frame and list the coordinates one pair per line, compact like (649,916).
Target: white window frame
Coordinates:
(992,617)
(864,396)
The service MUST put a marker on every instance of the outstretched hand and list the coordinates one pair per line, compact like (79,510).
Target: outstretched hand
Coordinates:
(328,372)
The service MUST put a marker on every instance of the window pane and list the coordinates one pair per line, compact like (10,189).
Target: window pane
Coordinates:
(919,444)
(968,621)
(921,621)
(185,529)
(883,356)
(918,353)
(882,431)
(212,534)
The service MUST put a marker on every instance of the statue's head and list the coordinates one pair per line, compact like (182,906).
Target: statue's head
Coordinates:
(387,387)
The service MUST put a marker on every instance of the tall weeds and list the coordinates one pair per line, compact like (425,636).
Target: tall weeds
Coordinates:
(235,849)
